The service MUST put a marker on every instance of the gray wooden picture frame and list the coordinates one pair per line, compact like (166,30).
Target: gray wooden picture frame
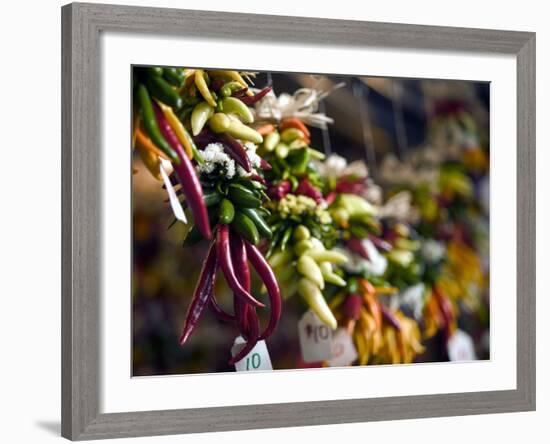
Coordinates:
(81,231)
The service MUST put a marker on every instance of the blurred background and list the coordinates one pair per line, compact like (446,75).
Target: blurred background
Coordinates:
(397,126)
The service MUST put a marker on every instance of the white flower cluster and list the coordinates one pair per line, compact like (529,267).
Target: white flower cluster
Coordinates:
(376,264)
(337,166)
(215,157)
(433,251)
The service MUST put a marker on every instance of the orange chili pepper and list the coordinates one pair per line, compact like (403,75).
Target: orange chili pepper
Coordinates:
(294,122)
(146,143)
(266,129)
(374,307)
(367,286)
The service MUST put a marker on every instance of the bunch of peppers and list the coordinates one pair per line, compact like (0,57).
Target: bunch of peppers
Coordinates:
(382,261)
(449,213)
(199,122)
(300,251)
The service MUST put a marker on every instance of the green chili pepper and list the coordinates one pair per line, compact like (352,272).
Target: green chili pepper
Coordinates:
(227,212)
(316,154)
(256,217)
(263,211)
(211,198)
(150,123)
(229,88)
(162,90)
(233,105)
(285,238)
(154,70)
(246,228)
(291,134)
(298,159)
(200,115)
(196,154)
(278,232)
(174,76)
(242,196)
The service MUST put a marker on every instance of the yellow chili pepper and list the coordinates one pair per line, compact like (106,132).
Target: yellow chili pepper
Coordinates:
(203,87)
(314,298)
(178,128)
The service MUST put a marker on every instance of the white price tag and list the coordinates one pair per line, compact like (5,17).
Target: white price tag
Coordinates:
(257,359)
(315,338)
(343,350)
(460,347)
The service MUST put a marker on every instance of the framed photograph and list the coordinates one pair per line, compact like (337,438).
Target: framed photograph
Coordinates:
(316,221)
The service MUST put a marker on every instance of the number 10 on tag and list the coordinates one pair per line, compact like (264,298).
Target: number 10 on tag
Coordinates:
(315,338)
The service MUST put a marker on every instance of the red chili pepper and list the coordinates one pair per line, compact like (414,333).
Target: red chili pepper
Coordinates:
(356,246)
(257,178)
(254,328)
(240,93)
(217,84)
(305,188)
(352,306)
(350,186)
(204,138)
(268,278)
(187,176)
(331,197)
(380,243)
(390,318)
(202,294)
(240,261)
(234,148)
(226,263)
(265,165)
(251,100)
(277,192)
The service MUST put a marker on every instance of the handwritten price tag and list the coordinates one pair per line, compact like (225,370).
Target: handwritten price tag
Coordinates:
(343,350)
(257,359)
(315,338)
(460,347)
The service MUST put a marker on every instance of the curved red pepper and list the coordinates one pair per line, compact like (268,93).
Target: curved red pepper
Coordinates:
(240,261)
(201,295)
(305,188)
(251,100)
(187,176)
(265,165)
(268,277)
(235,150)
(226,263)
(254,327)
